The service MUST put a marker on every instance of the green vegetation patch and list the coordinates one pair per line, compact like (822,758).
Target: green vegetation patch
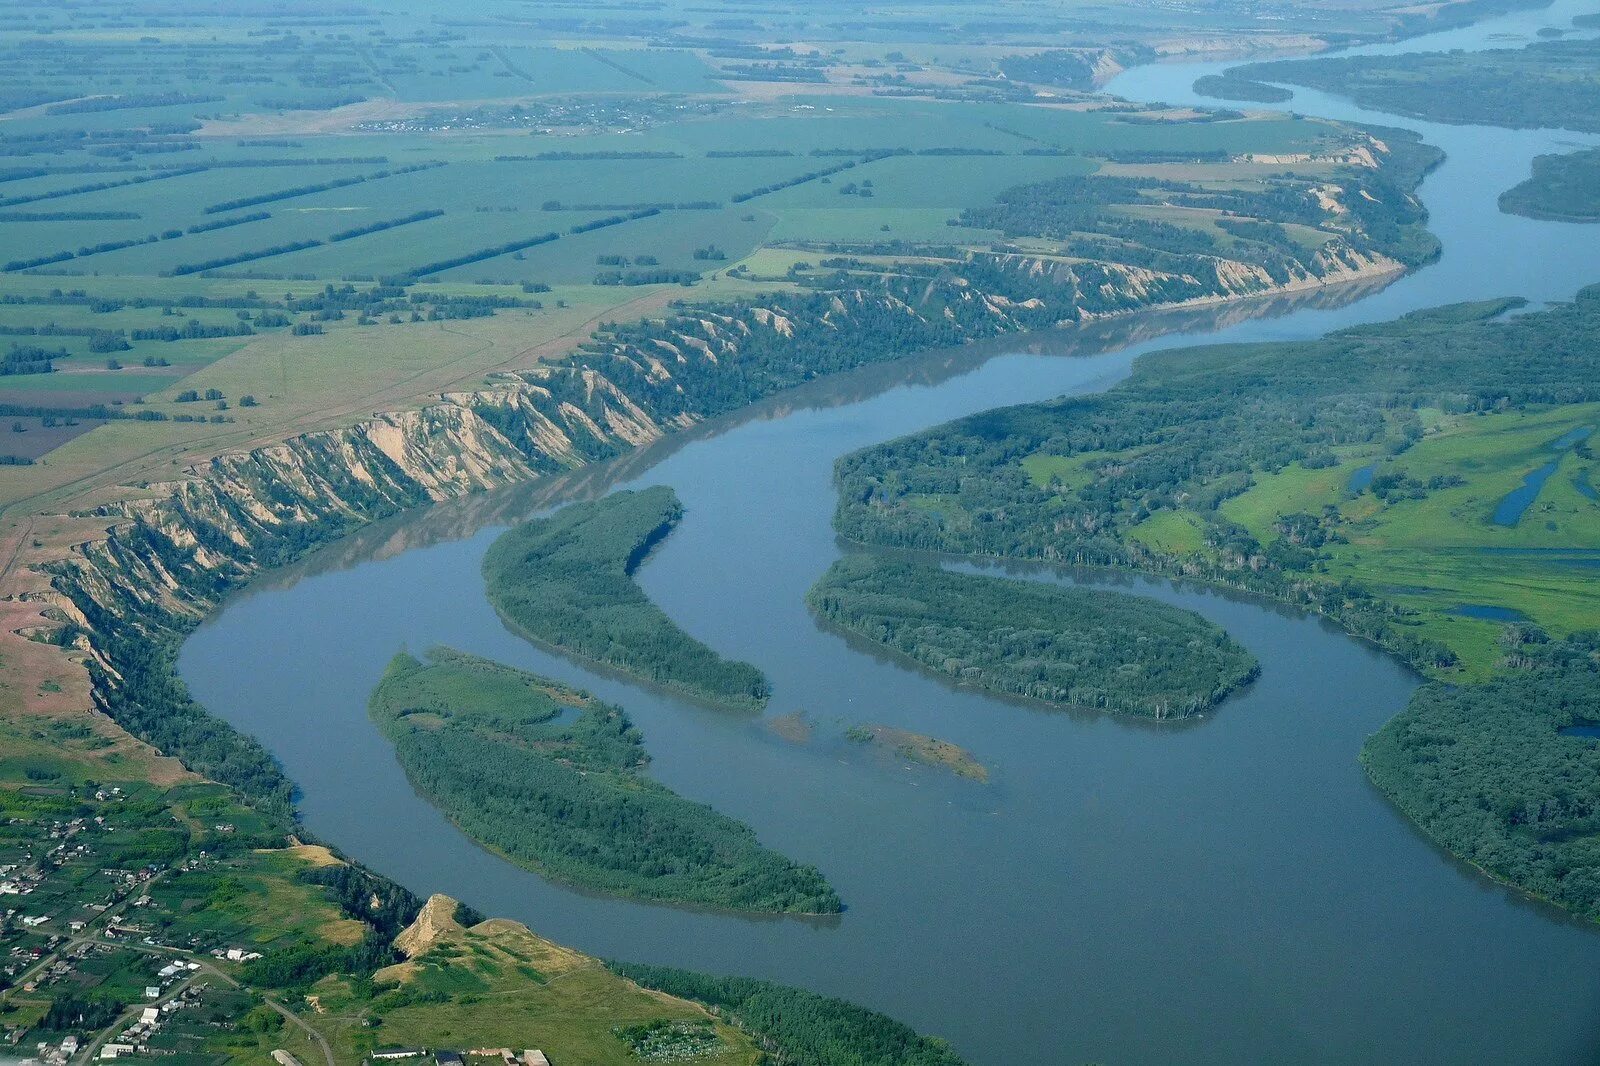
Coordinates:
(1084,647)
(1429,483)
(1238,463)
(1563,188)
(671,1041)
(1229,87)
(1550,83)
(550,778)
(809,1028)
(1504,774)
(567,580)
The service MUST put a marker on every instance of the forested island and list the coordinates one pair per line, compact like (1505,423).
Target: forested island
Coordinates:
(567,581)
(1549,83)
(1089,648)
(1384,476)
(550,778)
(1229,86)
(1563,188)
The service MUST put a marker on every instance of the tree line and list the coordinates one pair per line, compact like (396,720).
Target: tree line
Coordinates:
(797,1026)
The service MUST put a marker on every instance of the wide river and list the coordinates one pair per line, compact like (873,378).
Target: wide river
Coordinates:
(1228,891)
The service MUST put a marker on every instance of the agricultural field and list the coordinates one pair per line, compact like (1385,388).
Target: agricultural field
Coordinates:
(220,228)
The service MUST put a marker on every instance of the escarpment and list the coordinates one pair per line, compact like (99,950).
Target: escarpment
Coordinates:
(167,557)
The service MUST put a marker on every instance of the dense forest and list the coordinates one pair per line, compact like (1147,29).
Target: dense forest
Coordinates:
(1228,86)
(1488,773)
(1550,83)
(550,778)
(567,580)
(795,1026)
(1081,480)
(1563,188)
(1085,647)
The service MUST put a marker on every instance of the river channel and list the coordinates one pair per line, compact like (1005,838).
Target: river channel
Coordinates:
(1230,890)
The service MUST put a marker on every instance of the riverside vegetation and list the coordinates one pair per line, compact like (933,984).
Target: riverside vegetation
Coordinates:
(494,748)
(1089,648)
(1563,188)
(1549,83)
(567,581)
(1229,86)
(811,1028)
(1383,476)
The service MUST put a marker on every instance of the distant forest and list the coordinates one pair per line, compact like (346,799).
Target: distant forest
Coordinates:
(1228,86)
(1563,188)
(1550,83)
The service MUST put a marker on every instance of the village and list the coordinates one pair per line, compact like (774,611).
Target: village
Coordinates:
(95,961)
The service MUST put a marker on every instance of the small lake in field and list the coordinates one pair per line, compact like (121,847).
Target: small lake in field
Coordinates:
(1489,612)
(1509,511)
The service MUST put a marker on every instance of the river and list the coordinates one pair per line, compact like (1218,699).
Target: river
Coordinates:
(1229,890)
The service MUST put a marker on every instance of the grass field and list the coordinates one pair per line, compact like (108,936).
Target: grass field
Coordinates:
(1445,554)
(498,985)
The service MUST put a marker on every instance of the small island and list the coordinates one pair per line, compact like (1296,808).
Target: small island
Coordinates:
(567,581)
(1245,90)
(1084,647)
(918,747)
(550,778)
